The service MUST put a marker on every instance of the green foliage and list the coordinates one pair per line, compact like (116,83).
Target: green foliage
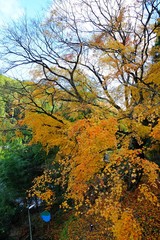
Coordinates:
(19,165)
(64,233)
(7,91)
(7,211)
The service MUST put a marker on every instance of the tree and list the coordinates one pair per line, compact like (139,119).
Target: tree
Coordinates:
(95,93)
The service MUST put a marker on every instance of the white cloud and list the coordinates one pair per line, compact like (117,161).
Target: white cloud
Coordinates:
(10,10)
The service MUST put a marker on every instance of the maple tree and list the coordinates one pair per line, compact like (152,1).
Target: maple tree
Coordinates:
(95,95)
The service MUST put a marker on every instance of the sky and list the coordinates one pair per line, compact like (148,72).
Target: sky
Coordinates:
(14,9)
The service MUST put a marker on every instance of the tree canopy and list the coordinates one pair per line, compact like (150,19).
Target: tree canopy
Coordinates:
(94,93)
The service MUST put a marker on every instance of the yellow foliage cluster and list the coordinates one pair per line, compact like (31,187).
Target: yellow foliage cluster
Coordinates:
(46,130)
(127,227)
(42,188)
(95,186)
(80,228)
(147,194)
(156,132)
(154,75)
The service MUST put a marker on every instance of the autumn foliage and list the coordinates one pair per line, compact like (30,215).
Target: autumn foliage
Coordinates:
(96,97)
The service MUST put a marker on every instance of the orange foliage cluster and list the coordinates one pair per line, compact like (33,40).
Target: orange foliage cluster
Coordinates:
(97,187)
(156,131)
(88,139)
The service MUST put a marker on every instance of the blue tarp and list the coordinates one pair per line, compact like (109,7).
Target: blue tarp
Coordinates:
(46,216)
